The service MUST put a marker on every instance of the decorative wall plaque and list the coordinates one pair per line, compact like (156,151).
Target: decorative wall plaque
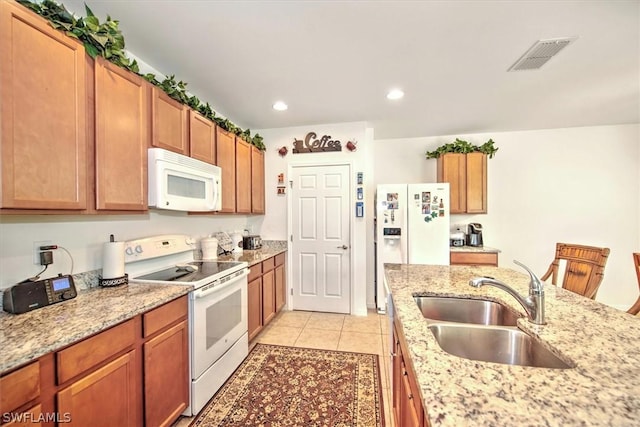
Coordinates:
(313,145)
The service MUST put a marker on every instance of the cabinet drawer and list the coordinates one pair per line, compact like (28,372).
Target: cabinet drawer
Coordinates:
(474,258)
(19,387)
(92,351)
(255,271)
(268,264)
(21,420)
(163,316)
(280,259)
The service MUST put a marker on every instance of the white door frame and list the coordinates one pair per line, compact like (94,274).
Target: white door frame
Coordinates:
(290,168)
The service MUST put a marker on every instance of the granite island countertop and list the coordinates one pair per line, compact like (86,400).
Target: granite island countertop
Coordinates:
(27,336)
(602,343)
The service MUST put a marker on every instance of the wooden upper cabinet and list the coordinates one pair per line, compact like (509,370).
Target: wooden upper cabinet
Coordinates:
(202,138)
(243,176)
(42,114)
(476,183)
(467,177)
(168,123)
(226,159)
(122,137)
(257,180)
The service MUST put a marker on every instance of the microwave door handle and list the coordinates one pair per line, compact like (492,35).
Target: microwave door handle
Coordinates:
(201,293)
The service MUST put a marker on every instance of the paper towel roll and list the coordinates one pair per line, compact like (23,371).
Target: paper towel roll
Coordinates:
(112,260)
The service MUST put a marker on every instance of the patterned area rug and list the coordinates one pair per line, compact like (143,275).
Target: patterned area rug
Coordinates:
(289,386)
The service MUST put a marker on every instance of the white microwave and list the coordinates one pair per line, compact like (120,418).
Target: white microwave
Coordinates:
(180,183)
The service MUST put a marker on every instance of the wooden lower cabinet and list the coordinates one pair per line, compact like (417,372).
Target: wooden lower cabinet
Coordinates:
(166,376)
(266,292)
(254,307)
(474,258)
(281,282)
(127,375)
(408,410)
(108,396)
(268,297)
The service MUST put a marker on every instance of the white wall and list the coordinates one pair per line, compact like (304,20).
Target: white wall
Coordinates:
(83,236)
(575,185)
(274,225)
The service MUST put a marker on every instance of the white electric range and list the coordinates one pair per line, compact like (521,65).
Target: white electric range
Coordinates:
(218,328)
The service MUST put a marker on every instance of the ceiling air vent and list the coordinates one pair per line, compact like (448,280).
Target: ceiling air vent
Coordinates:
(540,53)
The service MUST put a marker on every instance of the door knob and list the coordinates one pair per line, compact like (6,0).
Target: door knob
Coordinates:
(343,247)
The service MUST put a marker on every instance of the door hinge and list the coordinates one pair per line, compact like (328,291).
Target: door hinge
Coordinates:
(291,291)
(291,238)
(290,184)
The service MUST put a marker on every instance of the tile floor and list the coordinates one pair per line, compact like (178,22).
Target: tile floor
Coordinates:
(363,334)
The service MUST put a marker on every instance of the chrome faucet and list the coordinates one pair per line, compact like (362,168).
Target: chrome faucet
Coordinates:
(532,304)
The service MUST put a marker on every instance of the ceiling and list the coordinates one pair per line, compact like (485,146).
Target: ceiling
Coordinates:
(334,61)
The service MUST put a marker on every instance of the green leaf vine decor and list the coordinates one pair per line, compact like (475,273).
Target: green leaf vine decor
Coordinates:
(461,146)
(105,39)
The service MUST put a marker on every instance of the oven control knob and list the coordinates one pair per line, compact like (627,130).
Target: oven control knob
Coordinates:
(190,241)
(129,251)
(138,249)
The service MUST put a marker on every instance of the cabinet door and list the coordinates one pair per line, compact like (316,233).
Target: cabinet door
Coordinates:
(254,315)
(243,176)
(226,158)
(202,138)
(409,414)
(109,396)
(476,183)
(43,114)
(168,123)
(257,180)
(122,138)
(268,297)
(166,375)
(281,287)
(396,389)
(452,169)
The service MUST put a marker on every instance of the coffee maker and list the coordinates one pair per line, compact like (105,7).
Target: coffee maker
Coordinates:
(474,236)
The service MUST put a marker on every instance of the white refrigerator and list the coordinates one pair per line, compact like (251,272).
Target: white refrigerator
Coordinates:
(412,227)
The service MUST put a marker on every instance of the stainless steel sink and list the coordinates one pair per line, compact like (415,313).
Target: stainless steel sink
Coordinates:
(504,345)
(466,310)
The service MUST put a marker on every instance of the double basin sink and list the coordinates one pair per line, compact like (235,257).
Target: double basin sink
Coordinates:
(485,331)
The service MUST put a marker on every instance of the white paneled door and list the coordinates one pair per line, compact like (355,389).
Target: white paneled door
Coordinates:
(321,254)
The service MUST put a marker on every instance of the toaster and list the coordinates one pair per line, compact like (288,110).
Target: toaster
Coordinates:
(251,242)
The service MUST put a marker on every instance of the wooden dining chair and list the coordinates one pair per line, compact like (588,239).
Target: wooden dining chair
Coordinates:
(635,309)
(584,268)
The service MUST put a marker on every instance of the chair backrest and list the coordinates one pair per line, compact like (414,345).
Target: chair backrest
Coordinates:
(584,268)
(635,309)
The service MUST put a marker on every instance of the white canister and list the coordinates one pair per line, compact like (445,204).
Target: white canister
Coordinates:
(209,248)
(236,242)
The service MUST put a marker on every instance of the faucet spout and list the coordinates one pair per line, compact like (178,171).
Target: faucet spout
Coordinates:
(533,304)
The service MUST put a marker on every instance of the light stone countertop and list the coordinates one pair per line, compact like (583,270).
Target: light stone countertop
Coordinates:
(602,342)
(253,257)
(27,336)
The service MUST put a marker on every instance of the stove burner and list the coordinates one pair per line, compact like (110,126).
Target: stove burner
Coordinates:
(192,272)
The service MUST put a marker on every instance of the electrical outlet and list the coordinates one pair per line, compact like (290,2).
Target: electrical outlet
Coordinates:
(36,250)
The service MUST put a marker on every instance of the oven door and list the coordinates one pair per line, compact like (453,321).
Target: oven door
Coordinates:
(219,320)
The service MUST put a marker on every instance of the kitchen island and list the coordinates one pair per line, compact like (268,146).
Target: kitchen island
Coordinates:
(599,341)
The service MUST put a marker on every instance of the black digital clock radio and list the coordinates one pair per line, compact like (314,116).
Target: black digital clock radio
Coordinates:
(28,296)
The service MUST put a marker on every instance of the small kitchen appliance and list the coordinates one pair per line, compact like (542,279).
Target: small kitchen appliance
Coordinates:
(457,238)
(29,295)
(474,236)
(251,242)
(218,312)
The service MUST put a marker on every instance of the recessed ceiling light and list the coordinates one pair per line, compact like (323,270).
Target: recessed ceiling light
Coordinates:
(280,106)
(395,94)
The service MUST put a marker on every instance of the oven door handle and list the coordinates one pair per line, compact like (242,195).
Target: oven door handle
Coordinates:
(201,293)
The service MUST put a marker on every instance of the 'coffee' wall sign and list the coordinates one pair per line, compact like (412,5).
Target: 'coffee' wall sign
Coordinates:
(313,145)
